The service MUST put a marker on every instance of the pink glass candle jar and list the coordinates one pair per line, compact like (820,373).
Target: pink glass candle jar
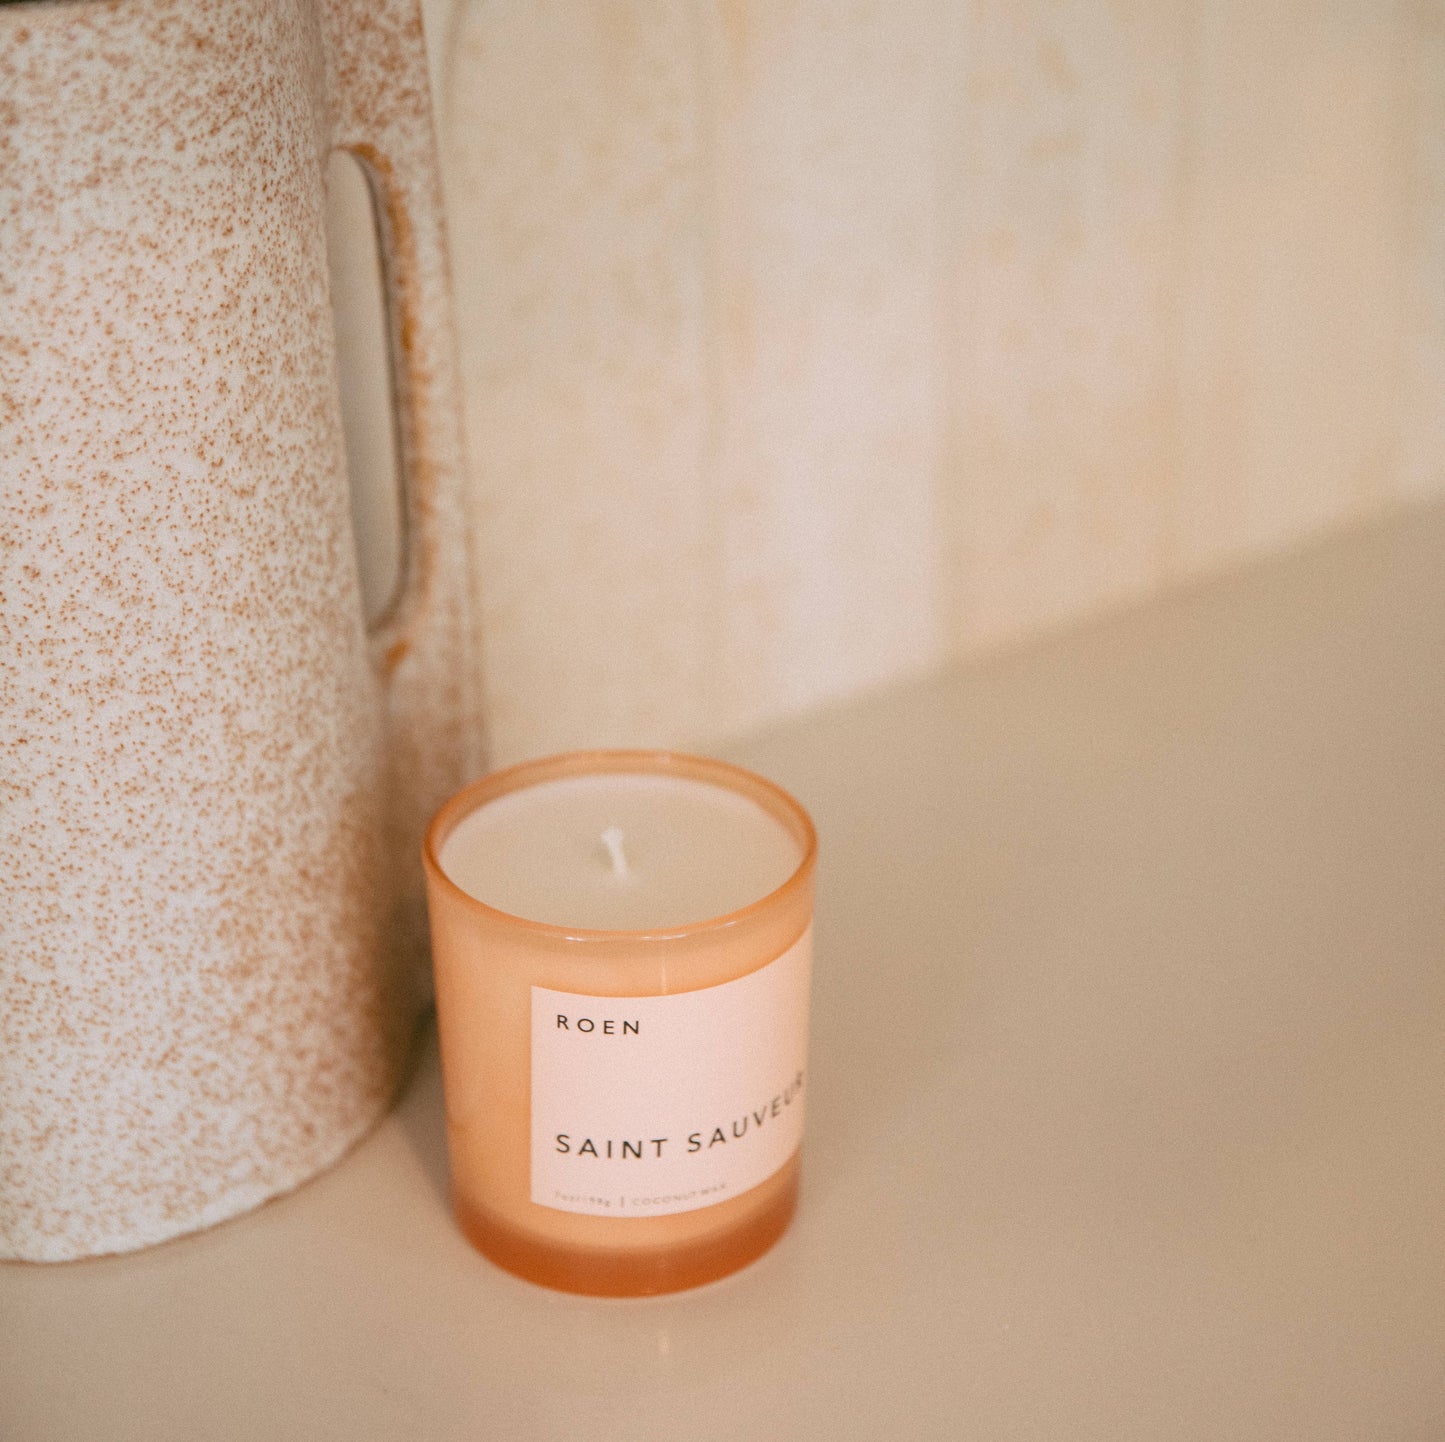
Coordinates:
(622,943)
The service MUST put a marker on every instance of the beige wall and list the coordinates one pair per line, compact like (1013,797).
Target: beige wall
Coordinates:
(810,344)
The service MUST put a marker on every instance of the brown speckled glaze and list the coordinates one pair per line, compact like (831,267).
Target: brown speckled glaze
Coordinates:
(212,780)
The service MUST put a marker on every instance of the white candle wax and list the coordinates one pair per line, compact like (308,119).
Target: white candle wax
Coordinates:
(620,852)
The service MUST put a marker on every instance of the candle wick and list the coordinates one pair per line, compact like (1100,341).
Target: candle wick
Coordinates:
(612,840)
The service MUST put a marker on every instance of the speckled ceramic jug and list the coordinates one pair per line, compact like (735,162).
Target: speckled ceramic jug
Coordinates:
(212,779)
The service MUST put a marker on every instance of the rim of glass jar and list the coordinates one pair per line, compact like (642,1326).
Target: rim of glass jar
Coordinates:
(772,798)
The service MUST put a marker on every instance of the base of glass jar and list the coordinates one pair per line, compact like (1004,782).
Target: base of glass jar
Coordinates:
(616,1272)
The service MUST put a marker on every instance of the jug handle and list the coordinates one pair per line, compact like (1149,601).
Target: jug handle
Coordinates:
(380,96)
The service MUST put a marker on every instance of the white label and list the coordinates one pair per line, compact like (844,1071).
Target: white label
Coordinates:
(645,1105)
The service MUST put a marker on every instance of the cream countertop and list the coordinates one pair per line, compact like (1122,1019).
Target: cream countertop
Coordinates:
(1126,1113)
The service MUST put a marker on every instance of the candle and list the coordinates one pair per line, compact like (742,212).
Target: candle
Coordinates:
(622,948)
